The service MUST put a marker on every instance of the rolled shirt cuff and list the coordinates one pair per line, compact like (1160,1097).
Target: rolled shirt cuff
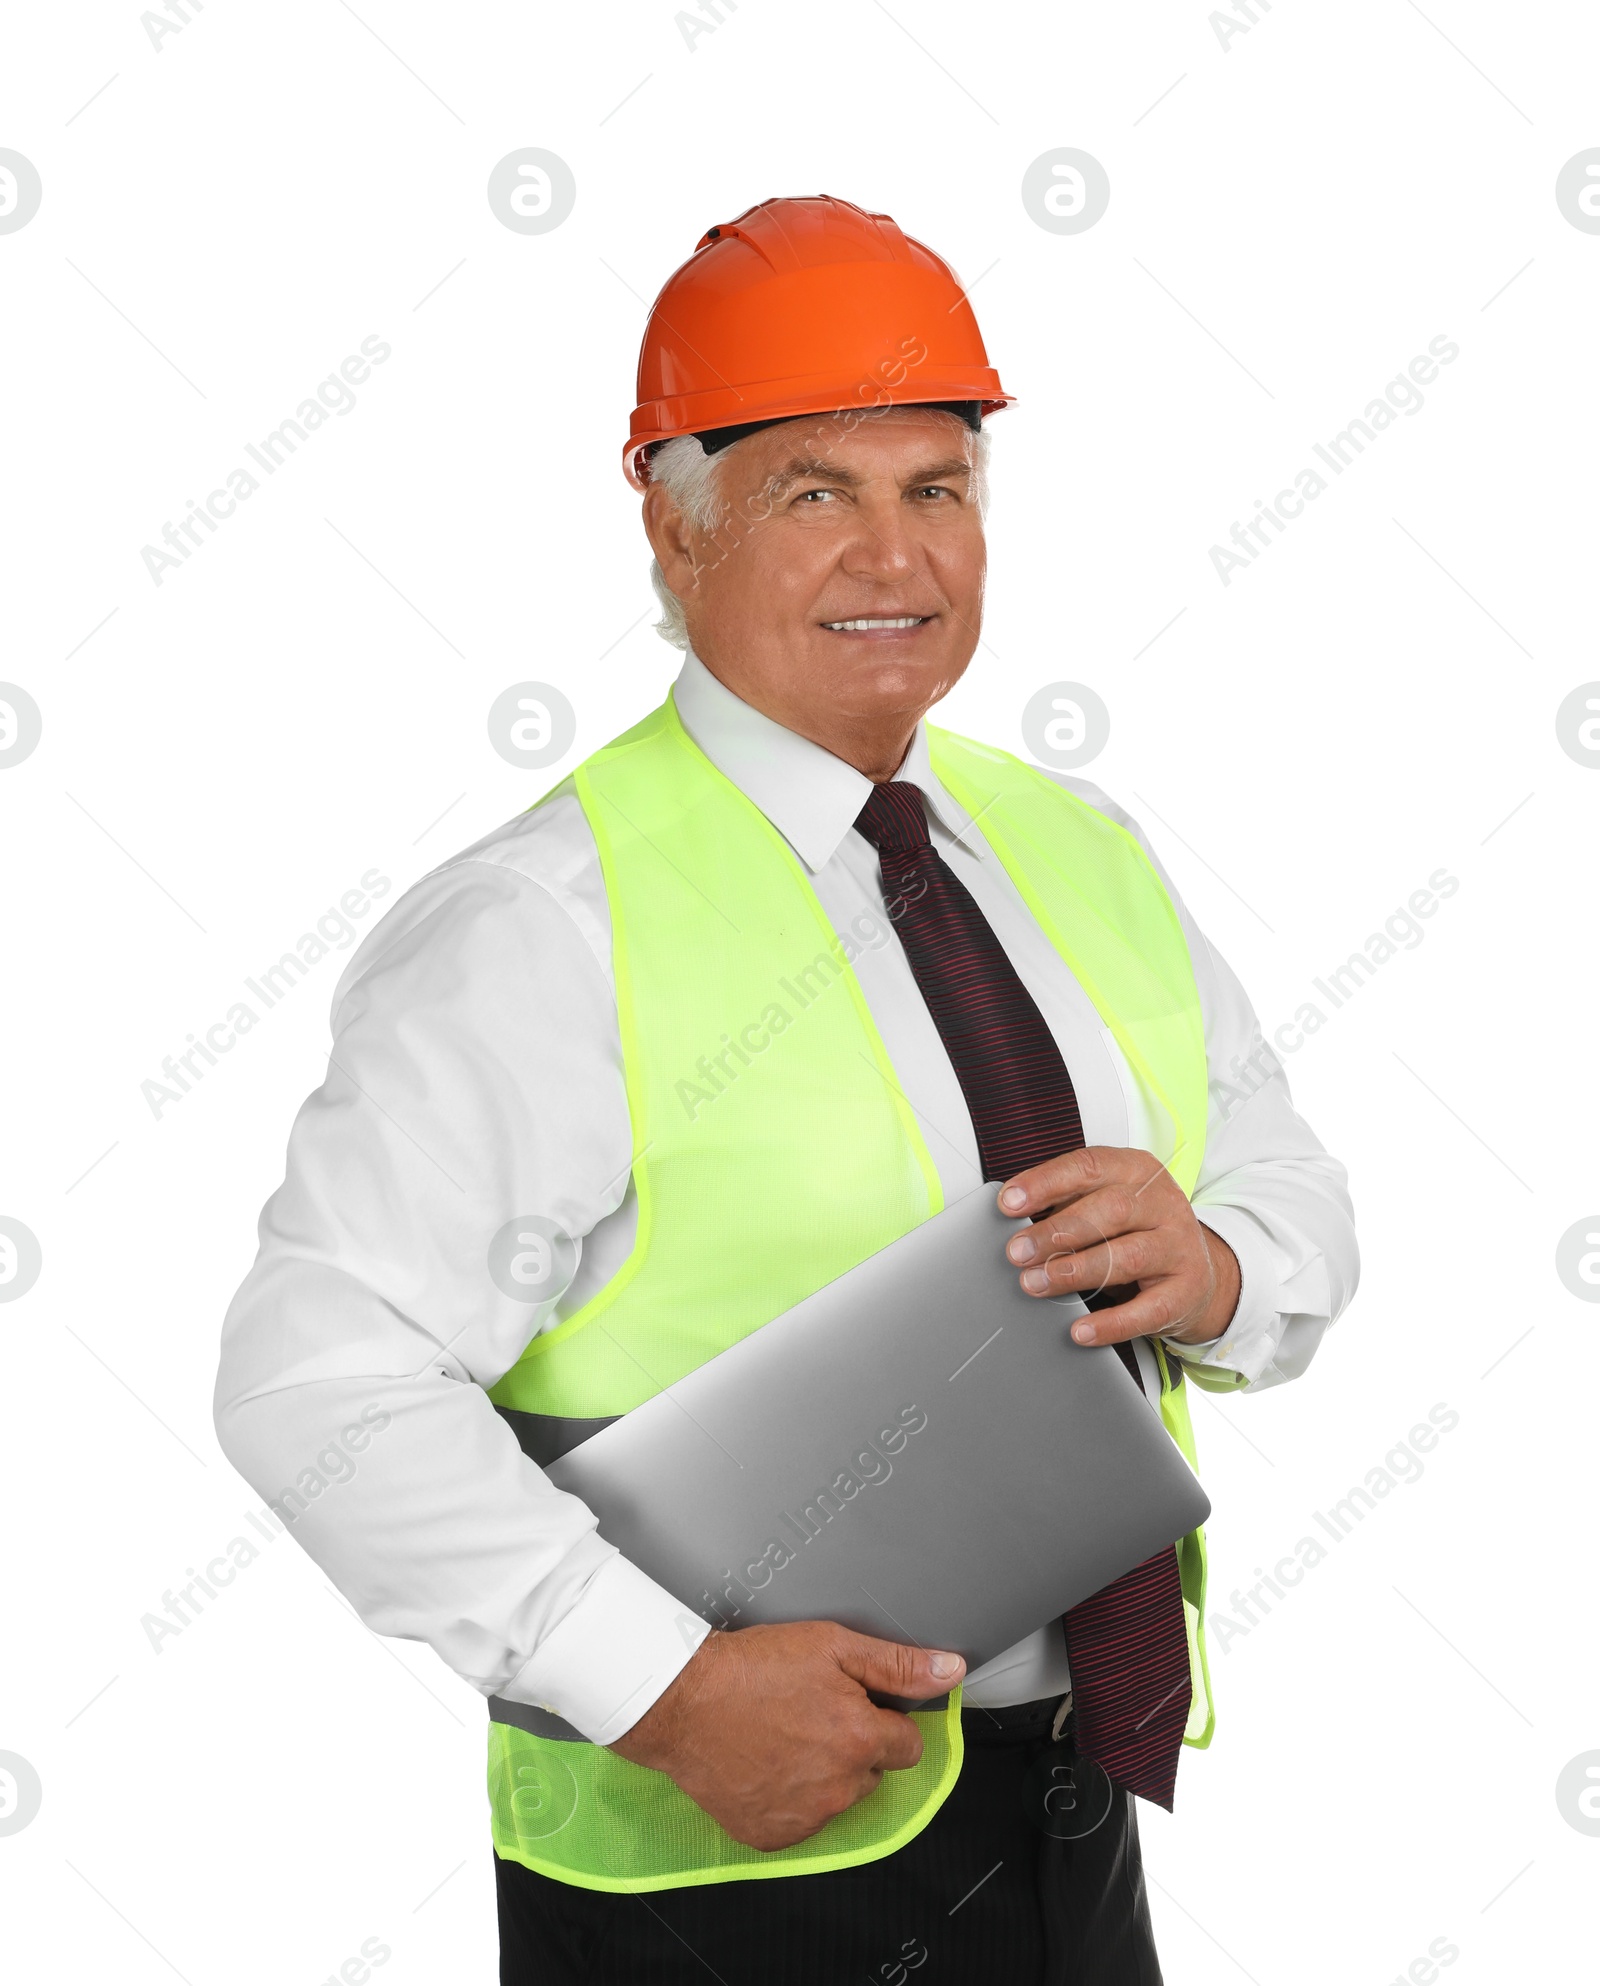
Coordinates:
(615,1651)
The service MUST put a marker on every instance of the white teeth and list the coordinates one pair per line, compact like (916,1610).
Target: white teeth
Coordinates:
(905,621)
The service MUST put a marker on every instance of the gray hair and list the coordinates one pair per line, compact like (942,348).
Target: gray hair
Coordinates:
(693,481)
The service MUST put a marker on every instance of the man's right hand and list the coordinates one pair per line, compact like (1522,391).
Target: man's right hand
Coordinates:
(771,1731)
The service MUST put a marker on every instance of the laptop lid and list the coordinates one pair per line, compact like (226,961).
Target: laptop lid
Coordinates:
(919,1451)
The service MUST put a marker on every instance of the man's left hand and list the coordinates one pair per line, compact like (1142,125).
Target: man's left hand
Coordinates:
(1107,1215)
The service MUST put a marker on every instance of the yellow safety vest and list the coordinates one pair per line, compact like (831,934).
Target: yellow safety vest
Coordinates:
(795,1158)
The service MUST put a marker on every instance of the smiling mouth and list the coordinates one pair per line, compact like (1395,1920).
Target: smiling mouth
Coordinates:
(879,624)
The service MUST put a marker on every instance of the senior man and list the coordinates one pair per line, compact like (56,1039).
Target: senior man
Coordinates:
(762,985)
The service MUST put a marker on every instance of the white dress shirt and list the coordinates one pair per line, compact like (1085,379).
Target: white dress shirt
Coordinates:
(476,1078)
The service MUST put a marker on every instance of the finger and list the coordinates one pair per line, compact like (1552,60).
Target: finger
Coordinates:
(1106,1213)
(899,1743)
(1124,1258)
(1059,1179)
(1085,1272)
(1081,1271)
(895,1669)
(1146,1315)
(1074,1173)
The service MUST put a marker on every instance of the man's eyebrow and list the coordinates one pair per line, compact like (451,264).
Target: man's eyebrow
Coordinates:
(803,468)
(955,465)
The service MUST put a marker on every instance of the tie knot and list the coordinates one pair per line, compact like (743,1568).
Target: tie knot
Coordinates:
(894,817)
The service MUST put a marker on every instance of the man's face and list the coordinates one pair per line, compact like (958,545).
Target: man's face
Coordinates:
(845,588)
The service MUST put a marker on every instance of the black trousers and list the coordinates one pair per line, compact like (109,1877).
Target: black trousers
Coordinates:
(981,1897)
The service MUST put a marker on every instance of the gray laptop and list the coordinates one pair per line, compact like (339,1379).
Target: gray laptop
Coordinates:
(919,1451)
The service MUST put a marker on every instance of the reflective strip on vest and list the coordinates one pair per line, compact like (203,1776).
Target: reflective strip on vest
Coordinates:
(776,1151)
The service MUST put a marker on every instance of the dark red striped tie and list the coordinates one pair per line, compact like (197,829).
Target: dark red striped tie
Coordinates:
(1127,1644)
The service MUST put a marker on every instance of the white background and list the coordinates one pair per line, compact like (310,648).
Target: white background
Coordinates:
(226,753)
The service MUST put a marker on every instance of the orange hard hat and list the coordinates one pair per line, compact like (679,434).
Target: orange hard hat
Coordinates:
(804,306)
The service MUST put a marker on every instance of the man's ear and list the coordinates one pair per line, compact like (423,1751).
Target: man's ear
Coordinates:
(672,541)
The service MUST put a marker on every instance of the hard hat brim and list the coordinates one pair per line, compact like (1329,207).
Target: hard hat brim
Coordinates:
(665,420)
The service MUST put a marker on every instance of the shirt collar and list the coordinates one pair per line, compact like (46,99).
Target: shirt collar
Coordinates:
(810,797)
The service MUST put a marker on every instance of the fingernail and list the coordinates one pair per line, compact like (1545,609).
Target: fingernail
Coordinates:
(946,1666)
(1013,1196)
(1037,1280)
(1021,1248)
(1084,1333)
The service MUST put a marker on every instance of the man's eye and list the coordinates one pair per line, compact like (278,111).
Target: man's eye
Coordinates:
(805,496)
(934,490)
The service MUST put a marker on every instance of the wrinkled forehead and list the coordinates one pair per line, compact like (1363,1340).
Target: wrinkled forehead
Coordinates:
(848,447)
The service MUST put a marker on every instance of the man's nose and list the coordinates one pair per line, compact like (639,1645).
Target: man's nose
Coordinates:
(882,546)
